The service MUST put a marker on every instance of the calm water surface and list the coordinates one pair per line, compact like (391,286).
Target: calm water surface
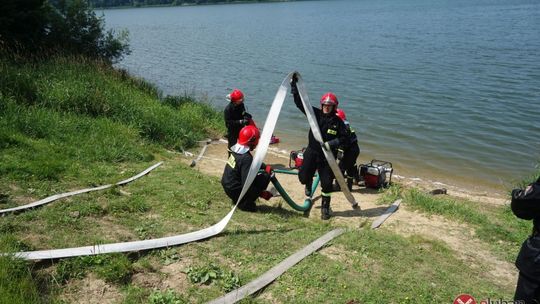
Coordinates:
(448,90)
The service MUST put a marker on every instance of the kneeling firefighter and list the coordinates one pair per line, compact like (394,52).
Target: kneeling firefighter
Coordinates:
(237,169)
(348,156)
(526,205)
(334,135)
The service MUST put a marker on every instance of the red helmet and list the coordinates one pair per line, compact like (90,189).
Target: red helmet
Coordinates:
(329,99)
(236,96)
(341,114)
(249,136)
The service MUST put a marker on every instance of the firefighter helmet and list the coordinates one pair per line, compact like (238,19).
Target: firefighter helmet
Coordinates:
(341,114)
(236,96)
(329,99)
(249,136)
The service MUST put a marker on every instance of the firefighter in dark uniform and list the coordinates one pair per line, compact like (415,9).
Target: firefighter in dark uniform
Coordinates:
(348,157)
(526,205)
(237,169)
(236,116)
(334,134)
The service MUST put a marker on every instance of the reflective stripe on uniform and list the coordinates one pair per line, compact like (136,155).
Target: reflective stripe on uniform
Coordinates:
(326,194)
(330,131)
(231,162)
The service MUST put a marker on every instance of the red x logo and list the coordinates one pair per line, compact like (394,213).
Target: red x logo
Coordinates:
(464,299)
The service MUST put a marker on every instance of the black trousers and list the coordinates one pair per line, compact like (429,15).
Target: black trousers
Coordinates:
(232,138)
(248,201)
(314,161)
(528,263)
(348,163)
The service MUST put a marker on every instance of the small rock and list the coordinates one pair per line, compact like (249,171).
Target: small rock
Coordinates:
(438,191)
(74,214)
(124,192)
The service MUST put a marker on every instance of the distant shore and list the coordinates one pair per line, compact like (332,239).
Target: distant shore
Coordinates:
(190,4)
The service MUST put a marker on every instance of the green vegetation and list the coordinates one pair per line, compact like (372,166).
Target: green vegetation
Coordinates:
(70,122)
(41,28)
(496,225)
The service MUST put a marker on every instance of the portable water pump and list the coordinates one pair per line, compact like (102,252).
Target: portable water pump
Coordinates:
(296,159)
(376,174)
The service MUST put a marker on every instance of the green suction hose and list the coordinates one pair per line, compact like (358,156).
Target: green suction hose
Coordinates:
(308,203)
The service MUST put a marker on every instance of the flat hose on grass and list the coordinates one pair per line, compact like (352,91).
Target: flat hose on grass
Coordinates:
(72,193)
(213,230)
(217,228)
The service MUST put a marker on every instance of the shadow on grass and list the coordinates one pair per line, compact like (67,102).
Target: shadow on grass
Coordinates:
(265,209)
(366,191)
(373,212)
(254,231)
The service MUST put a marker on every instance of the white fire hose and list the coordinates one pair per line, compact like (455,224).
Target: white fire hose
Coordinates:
(215,229)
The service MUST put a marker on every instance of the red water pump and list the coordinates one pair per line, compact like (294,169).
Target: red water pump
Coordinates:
(376,174)
(296,159)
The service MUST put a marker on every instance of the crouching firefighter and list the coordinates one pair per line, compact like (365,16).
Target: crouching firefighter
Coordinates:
(334,136)
(526,205)
(237,169)
(348,156)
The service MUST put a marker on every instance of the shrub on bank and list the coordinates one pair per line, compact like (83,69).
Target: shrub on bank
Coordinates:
(89,89)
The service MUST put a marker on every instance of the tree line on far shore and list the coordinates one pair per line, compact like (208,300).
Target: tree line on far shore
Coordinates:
(138,3)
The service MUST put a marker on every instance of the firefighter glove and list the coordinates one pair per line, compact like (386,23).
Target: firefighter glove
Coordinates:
(339,154)
(268,169)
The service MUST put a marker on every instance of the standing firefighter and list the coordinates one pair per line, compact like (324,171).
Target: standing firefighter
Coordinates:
(237,169)
(334,136)
(236,116)
(526,205)
(348,157)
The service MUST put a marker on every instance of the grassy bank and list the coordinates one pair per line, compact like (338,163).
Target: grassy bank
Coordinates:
(69,123)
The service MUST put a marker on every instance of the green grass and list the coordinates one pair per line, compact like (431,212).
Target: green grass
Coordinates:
(69,124)
(496,225)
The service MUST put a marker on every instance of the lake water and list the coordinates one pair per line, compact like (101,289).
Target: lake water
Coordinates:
(446,90)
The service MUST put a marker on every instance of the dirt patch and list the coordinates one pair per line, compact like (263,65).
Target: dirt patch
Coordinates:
(91,290)
(459,237)
(175,277)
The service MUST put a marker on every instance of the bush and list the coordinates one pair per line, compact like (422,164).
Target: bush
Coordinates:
(38,28)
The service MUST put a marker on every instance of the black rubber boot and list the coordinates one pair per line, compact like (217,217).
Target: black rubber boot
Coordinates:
(349,183)
(325,208)
(335,186)
(307,190)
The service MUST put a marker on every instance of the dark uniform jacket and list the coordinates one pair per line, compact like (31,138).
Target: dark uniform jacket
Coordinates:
(332,128)
(235,116)
(353,139)
(236,171)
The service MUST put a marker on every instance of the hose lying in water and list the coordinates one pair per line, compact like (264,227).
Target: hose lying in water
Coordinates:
(308,203)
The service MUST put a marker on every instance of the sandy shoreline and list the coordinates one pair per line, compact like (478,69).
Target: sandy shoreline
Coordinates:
(280,154)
